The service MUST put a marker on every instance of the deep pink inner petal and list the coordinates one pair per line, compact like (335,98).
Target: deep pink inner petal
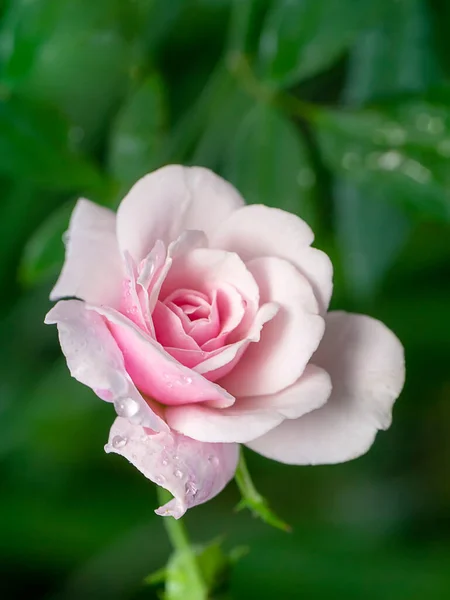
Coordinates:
(203,325)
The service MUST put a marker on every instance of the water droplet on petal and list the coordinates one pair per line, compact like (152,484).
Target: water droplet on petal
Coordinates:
(213,460)
(191,489)
(126,407)
(159,479)
(178,474)
(119,442)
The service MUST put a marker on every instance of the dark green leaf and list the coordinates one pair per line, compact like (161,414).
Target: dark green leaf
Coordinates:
(34,145)
(371,226)
(218,136)
(71,55)
(138,132)
(44,253)
(301,38)
(269,163)
(403,40)
(401,151)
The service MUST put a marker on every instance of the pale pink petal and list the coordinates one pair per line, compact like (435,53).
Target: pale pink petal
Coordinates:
(170,200)
(228,425)
(187,241)
(257,230)
(206,270)
(92,269)
(193,472)
(287,341)
(94,359)
(309,392)
(155,372)
(248,418)
(366,364)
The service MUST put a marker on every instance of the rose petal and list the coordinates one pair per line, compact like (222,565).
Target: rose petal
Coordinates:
(205,270)
(155,372)
(92,269)
(309,392)
(366,363)
(169,330)
(193,472)
(249,417)
(227,425)
(170,200)
(220,362)
(257,230)
(94,359)
(287,341)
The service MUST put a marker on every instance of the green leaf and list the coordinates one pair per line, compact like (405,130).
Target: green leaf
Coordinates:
(402,151)
(253,500)
(218,136)
(138,132)
(371,227)
(34,145)
(403,40)
(269,163)
(244,25)
(301,38)
(371,230)
(71,55)
(43,255)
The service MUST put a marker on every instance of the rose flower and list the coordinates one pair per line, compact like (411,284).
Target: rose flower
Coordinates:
(204,321)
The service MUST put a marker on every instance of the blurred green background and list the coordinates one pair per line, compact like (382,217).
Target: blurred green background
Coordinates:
(338,110)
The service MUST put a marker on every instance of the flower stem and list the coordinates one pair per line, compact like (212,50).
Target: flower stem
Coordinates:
(196,588)
(253,500)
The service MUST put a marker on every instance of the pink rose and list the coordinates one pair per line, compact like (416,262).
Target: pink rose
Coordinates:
(204,321)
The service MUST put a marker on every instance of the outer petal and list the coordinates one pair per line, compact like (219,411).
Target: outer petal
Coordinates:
(95,360)
(172,199)
(287,341)
(231,424)
(250,417)
(308,393)
(258,230)
(93,269)
(155,372)
(193,472)
(366,364)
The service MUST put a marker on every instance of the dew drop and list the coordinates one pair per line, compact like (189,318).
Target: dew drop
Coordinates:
(191,489)
(119,442)
(390,160)
(416,171)
(178,474)
(126,407)
(444,148)
(159,479)
(429,124)
(213,460)
(164,462)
